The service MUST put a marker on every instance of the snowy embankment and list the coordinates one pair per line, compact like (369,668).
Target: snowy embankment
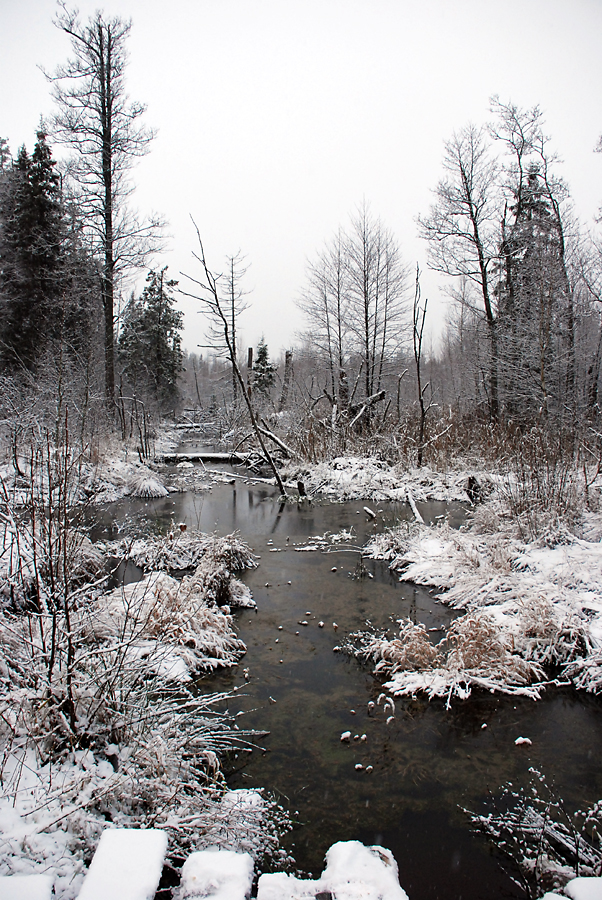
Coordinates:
(368,478)
(96,723)
(529,609)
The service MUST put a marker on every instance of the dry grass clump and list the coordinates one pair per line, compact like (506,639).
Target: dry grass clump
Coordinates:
(473,642)
(411,650)
(473,654)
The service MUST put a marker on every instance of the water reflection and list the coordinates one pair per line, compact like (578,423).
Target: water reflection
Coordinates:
(427,761)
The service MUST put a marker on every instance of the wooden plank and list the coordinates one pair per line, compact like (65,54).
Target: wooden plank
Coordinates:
(202,456)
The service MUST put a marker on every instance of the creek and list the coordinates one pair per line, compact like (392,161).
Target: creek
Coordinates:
(428,761)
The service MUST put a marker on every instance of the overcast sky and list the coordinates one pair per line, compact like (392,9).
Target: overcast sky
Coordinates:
(277,118)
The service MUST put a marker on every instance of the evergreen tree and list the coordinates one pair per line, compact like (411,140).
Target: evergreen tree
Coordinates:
(263,370)
(534,301)
(150,344)
(31,261)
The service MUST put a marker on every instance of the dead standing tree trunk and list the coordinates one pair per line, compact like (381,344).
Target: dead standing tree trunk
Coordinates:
(212,302)
(419,318)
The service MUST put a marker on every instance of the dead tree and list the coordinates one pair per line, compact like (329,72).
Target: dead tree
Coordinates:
(218,312)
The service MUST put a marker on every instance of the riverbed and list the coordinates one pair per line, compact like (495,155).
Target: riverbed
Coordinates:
(426,761)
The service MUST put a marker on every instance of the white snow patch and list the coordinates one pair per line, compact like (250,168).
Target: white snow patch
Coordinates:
(127,864)
(25,887)
(217,874)
(584,889)
(353,872)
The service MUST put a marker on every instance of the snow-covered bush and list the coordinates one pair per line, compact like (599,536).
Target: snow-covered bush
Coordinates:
(96,723)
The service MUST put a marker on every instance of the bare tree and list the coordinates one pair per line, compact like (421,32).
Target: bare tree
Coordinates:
(377,285)
(462,228)
(98,121)
(355,301)
(231,297)
(418,323)
(325,303)
(211,297)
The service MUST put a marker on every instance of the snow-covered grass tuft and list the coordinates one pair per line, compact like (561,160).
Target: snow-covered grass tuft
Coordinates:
(181,550)
(473,654)
(148,487)
(172,628)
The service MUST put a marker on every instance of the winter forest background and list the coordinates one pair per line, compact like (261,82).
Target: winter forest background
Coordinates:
(94,369)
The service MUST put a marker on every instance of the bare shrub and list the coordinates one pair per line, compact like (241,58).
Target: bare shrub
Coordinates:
(541,488)
(532,827)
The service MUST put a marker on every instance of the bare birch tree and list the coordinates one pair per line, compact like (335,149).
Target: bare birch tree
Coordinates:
(210,295)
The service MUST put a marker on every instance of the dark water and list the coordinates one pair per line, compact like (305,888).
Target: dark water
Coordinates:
(428,761)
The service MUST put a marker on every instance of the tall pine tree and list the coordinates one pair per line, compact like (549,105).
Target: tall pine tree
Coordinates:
(31,271)
(150,344)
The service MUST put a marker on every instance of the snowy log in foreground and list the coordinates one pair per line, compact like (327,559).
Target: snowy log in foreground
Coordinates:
(527,607)
(352,871)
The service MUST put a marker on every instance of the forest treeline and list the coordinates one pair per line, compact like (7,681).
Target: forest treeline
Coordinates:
(521,347)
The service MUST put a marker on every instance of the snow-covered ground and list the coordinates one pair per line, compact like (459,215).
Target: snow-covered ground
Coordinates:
(367,478)
(531,610)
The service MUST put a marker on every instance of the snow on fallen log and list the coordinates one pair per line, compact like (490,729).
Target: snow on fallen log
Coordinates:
(127,864)
(25,887)
(352,871)
(412,503)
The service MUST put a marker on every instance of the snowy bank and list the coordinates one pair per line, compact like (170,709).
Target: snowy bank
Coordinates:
(368,478)
(528,607)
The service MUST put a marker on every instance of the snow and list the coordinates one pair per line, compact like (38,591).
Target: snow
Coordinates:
(584,889)
(25,887)
(127,864)
(368,478)
(544,603)
(217,874)
(353,872)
